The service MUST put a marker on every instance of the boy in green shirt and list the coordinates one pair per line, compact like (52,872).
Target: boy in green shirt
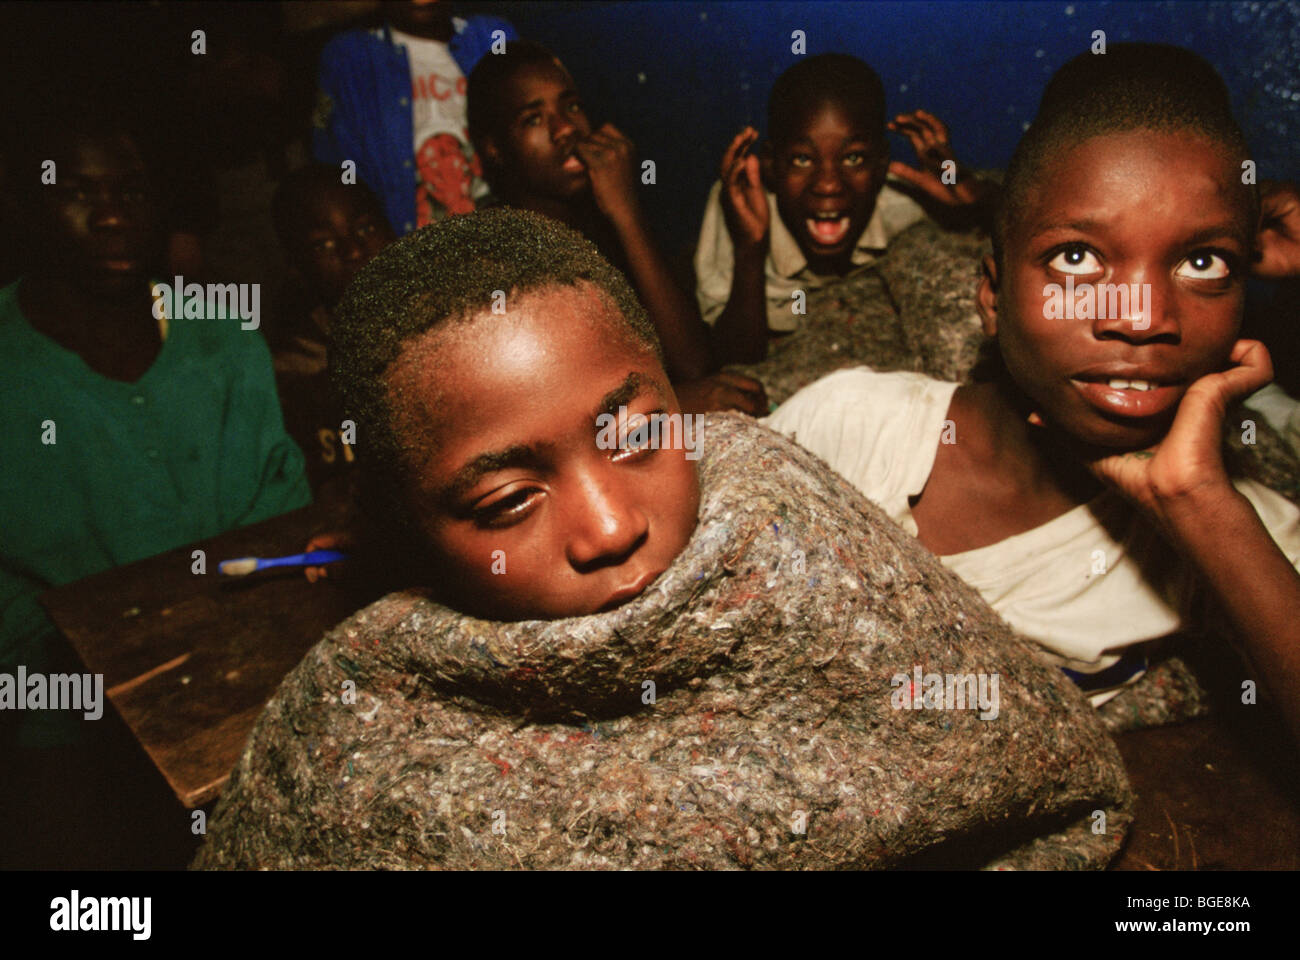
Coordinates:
(130,428)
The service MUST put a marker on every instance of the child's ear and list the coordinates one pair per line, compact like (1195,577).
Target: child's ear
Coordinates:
(300,290)
(295,283)
(490,152)
(986,296)
(880,175)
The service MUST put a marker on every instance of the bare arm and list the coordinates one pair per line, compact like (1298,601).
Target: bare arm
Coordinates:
(740,334)
(676,318)
(1182,485)
(1254,583)
(610,160)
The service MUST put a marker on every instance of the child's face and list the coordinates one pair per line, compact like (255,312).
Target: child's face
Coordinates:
(423,18)
(826,175)
(526,516)
(98,224)
(541,123)
(339,231)
(1143,207)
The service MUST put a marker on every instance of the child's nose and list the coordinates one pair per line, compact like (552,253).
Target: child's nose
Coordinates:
(562,126)
(109,211)
(348,249)
(605,525)
(827,179)
(1139,310)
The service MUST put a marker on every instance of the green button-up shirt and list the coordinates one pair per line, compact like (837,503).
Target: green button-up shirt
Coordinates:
(97,472)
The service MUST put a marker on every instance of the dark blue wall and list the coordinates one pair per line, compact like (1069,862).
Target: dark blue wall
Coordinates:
(681,78)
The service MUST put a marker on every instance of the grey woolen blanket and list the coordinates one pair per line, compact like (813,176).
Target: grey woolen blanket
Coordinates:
(754,708)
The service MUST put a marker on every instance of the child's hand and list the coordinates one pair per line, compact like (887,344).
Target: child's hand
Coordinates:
(611,163)
(1188,462)
(723,391)
(744,201)
(1279,231)
(929,138)
(325,541)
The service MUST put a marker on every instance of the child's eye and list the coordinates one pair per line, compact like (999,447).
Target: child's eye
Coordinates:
(574,107)
(801,160)
(1076,259)
(640,439)
(532,120)
(323,246)
(507,510)
(1204,265)
(855,159)
(636,441)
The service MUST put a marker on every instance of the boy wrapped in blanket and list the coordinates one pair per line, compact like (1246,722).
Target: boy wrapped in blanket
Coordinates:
(688,646)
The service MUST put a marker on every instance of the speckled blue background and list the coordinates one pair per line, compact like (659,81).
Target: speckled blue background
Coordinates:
(681,78)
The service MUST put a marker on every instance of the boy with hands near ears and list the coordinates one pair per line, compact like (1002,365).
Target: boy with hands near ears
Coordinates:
(815,205)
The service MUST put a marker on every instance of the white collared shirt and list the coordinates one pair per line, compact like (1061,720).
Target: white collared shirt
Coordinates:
(786,267)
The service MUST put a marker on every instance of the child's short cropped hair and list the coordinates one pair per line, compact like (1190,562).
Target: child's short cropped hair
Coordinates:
(835,77)
(296,191)
(487,81)
(450,272)
(37,132)
(1131,86)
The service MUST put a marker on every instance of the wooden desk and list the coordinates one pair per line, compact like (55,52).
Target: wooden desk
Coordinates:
(189,661)
(1219,793)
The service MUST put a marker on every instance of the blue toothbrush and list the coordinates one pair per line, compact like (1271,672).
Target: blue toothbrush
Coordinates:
(246,565)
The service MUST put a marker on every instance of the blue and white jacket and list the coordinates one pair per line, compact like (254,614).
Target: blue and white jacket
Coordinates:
(363,109)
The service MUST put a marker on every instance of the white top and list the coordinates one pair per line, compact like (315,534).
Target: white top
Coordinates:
(1086,585)
(786,267)
(446,169)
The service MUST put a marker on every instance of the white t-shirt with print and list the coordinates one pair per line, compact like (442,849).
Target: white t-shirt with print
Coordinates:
(447,173)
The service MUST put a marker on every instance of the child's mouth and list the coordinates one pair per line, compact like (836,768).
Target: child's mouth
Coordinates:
(630,592)
(828,229)
(1128,397)
(573,164)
